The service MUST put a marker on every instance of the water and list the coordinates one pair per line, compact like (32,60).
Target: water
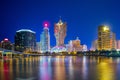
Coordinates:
(60,68)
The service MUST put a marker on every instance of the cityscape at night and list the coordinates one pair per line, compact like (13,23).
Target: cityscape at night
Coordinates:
(59,40)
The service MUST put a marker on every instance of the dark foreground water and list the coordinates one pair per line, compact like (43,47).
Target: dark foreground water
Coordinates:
(60,68)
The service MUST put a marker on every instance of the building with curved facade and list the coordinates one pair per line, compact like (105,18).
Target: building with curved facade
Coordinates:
(25,40)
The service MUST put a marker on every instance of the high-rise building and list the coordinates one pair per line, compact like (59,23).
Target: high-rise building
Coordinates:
(112,40)
(38,47)
(60,32)
(6,44)
(118,44)
(94,45)
(25,40)
(104,37)
(45,40)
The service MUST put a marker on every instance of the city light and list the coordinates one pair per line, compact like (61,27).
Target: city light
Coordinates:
(6,39)
(106,28)
(46,24)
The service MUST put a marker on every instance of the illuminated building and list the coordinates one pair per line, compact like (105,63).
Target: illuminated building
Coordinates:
(118,44)
(75,45)
(103,38)
(94,45)
(84,47)
(112,40)
(25,40)
(60,32)
(45,40)
(38,47)
(6,44)
(58,49)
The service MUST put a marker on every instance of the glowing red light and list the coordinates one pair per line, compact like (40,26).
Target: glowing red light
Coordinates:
(46,24)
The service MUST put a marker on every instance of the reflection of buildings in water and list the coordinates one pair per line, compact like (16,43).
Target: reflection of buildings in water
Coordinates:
(118,60)
(30,66)
(17,67)
(6,71)
(11,69)
(27,65)
(84,68)
(22,67)
(59,73)
(105,71)
(45,68)
(1,70)
(71,68)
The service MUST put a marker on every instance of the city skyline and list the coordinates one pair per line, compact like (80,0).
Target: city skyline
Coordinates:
(82,18)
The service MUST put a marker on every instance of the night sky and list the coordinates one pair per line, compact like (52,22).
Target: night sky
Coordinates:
(82,17)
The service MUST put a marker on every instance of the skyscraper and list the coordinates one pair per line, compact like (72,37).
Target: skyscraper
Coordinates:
(113,40)
(118,44)
(25,39)
(94,45)
(103,37)
(60,32)
(45,40)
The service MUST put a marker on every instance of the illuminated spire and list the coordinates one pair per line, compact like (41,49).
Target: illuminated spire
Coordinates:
(60,21)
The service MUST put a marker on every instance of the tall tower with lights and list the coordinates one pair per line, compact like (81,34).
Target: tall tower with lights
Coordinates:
(104,37)
(60,32)
(45,39)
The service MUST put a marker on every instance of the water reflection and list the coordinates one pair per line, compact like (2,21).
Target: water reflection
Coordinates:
(60,68)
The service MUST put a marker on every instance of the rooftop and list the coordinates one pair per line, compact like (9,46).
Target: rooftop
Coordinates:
(26,30)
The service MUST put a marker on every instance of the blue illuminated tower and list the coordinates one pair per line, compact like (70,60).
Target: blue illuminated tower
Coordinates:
(45,40)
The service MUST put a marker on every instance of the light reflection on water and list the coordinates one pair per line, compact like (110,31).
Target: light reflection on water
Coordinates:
(60,68)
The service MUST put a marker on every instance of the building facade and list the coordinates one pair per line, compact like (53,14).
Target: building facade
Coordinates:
(84,47)
(60,32)
(45,40)
(104,38)
(38,47)
(118,44)
(112,40)
(6,44)
(94,45)
(75,45)
(25,40)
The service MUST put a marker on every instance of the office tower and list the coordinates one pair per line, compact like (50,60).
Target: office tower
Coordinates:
(25,40)
(94,45)
(38,47)
(45,40)
(60,32)
(112,40)
(103,37)
(118,44)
